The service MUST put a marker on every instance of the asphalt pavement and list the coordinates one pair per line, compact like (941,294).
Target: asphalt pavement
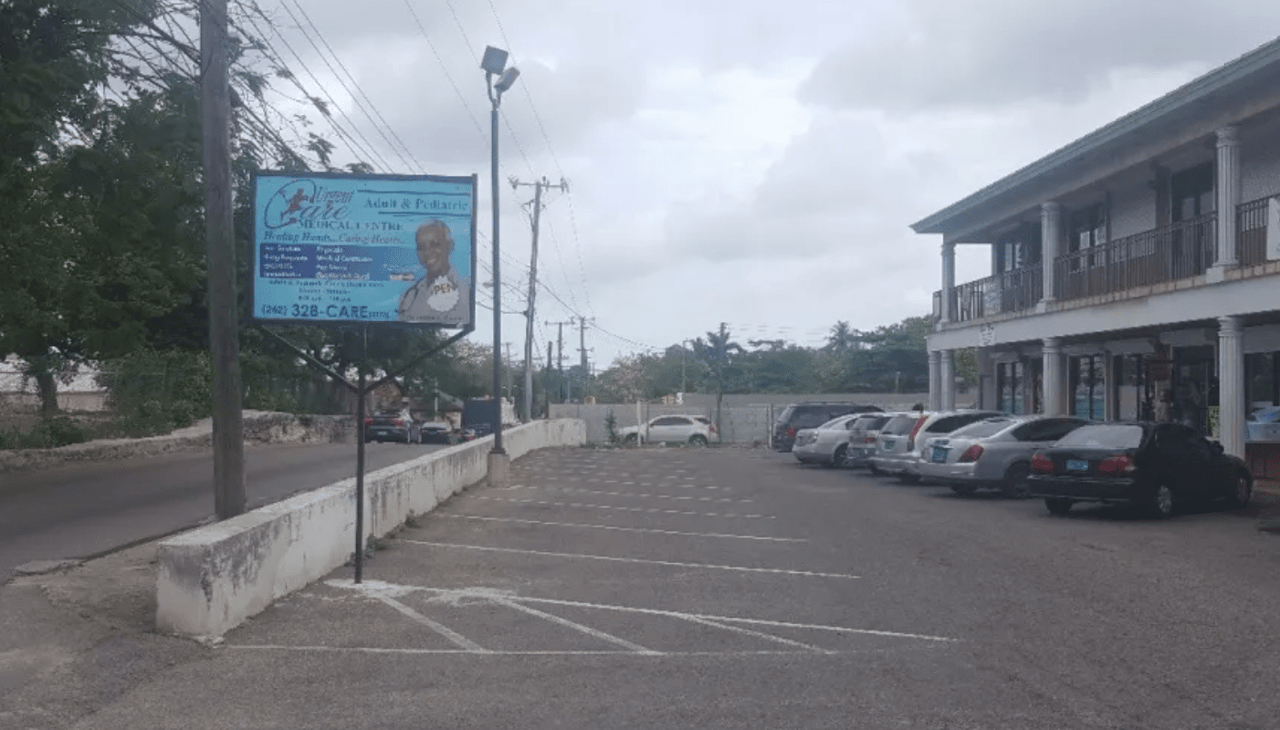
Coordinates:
(85,509)
(717,588)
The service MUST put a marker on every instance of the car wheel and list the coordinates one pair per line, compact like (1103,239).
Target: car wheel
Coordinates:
(963,489)
(697,440)
(1016,483)
(909,478)
(1241,491)
(838,458)
(1057,505)
(1160,502)
(875,470)
(630,440)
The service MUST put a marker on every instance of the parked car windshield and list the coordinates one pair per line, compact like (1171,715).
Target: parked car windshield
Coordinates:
(1112,436)
(947,424)
(899,425)
(869,423)
(982,429)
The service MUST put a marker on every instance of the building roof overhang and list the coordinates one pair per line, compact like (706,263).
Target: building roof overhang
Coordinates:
(1184,104)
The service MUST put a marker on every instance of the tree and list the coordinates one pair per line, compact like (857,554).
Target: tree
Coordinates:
(720,354)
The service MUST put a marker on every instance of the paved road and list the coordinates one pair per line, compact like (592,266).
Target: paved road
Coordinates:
(670,588)
(85,509)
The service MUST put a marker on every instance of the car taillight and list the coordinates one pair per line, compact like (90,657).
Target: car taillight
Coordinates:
(368,421)
(971,454)
(1116,465)
(1042,464)
(868,439)
(911,440)
(791,432)
(398,422)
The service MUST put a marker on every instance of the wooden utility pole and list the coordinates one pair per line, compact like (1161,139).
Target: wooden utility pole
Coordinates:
(215,112)
(582,351)
(547,386)
(538,187)
(564,390)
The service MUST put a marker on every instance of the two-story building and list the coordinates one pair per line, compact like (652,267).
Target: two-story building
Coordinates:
(1135,273)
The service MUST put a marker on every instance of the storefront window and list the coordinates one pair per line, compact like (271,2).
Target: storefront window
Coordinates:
(1088,386)
(1260,373)
(1130,388)
(1010,376)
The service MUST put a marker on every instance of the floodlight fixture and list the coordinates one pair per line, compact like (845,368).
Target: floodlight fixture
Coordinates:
(507,78)
(494,61)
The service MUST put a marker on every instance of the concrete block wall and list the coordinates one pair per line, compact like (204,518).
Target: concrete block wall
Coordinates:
(213,578)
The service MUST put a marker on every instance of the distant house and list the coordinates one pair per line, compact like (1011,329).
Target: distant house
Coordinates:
(18,393)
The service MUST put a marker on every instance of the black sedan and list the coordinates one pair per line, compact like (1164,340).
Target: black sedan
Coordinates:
(1151,465)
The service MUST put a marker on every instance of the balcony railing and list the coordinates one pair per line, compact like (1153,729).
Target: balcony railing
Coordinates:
(1008,291)
(1251,228)
(1179,251)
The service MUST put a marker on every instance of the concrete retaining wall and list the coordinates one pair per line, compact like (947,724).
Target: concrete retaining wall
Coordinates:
(261,427)
(213,578)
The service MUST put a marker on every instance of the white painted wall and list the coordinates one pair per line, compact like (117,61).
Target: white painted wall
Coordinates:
(1133,210)
(1260,168)
(213,578)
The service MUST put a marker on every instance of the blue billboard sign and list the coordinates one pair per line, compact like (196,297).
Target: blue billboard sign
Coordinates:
(335,248)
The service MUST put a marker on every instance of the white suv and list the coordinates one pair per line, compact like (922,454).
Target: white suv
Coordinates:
(692,430)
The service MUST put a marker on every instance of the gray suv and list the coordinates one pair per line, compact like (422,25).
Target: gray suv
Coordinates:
(810,415)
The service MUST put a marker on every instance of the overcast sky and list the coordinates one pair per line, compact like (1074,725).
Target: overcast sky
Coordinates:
(744,161)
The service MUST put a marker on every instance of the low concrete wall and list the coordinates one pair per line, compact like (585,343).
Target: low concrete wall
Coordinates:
(213,578)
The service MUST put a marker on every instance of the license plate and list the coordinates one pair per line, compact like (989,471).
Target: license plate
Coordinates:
(940,454)
(1077,465)
(886,446)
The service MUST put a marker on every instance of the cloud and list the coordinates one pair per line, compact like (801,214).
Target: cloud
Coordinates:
(989,53)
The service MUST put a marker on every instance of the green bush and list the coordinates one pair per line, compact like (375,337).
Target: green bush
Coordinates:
(49,433)
(156,391)
(611,425)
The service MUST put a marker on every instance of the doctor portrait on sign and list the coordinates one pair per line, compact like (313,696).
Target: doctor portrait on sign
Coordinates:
(441,295)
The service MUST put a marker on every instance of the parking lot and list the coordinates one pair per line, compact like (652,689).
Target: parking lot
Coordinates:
(667,587)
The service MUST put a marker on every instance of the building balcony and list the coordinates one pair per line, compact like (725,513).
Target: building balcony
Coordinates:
(1181,251)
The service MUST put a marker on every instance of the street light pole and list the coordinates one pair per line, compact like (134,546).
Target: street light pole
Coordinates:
(494,64)
(496,99)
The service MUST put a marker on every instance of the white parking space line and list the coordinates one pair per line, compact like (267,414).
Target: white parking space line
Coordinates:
(730,619)
(444,631)
(750,632)
(575,626)
(460,652)
(637,561)
(637,495)
(649,510)
(626,529)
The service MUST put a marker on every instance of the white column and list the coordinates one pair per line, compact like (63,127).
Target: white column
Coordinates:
(1228,195)
(1231,395)
(1050,235)
(948,279)
(947,376)
(935,380)
(1054,378)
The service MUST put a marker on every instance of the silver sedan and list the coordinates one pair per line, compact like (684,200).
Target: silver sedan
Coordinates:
(994,453)
(827,444)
